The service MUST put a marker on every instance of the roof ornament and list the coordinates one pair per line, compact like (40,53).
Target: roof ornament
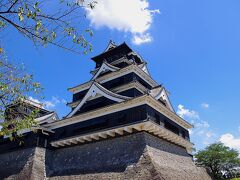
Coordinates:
(110,46)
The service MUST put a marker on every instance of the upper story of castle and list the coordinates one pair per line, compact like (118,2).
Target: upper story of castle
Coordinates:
(120,74)
(118,55)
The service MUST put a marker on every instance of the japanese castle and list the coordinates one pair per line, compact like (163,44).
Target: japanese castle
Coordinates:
(119,107)
(121,98)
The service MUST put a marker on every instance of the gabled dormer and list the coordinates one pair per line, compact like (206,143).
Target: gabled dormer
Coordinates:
(105,68)
(93,91)
(143,66)
(161,94)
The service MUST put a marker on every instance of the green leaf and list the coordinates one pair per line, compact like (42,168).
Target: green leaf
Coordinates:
(44,39)
(29,14)
(2,24)
(38,10)
(38,25)
(34,15)
(89,31)
(20,17)
(35,5)
(54,35)
(74,38)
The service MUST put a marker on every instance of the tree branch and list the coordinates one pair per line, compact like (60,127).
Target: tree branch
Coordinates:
(13,4)
(22,29)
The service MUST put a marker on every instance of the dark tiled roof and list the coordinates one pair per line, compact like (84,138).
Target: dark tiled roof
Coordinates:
(121,48)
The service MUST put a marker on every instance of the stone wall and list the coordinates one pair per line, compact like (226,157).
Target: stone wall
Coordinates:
(135,156)
(112,155)
(23,164)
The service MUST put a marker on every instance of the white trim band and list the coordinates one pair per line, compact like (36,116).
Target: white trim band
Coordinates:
(113,75)
(141,100)
(147,126)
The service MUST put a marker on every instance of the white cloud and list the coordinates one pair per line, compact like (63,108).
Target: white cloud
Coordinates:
(49,104)
(210,134)
(186,113)
(34,99)
(201,134)
(132,16)
(230,141)
(205,105)
(190,131)
(142,38)
(202,124)
(57,100)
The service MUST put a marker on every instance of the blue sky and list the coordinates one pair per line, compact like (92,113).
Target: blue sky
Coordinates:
(192,47)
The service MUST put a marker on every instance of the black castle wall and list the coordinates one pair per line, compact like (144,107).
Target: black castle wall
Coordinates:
(115,83)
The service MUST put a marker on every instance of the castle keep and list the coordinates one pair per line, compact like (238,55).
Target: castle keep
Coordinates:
(121,126)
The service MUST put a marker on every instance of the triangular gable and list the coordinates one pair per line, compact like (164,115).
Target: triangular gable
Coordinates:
(98,89)
(137,55)
(144,68)
(104,67)
(49,118)
(162,94)
(110,46)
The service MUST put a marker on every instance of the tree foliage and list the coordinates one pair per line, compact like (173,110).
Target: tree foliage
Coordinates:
(15,86)
(218,159)
(34,20)
(56,22)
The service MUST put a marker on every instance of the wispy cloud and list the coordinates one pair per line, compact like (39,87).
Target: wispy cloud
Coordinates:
(201,133)
(49,104)
(186,113)
(230,141)
(34,99)
(205,105)
(132,16)
(142,38)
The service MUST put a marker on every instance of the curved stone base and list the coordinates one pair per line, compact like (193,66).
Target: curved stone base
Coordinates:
(135,156)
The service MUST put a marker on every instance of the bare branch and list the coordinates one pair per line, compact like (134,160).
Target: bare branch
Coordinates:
(45,28)
(12,5)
